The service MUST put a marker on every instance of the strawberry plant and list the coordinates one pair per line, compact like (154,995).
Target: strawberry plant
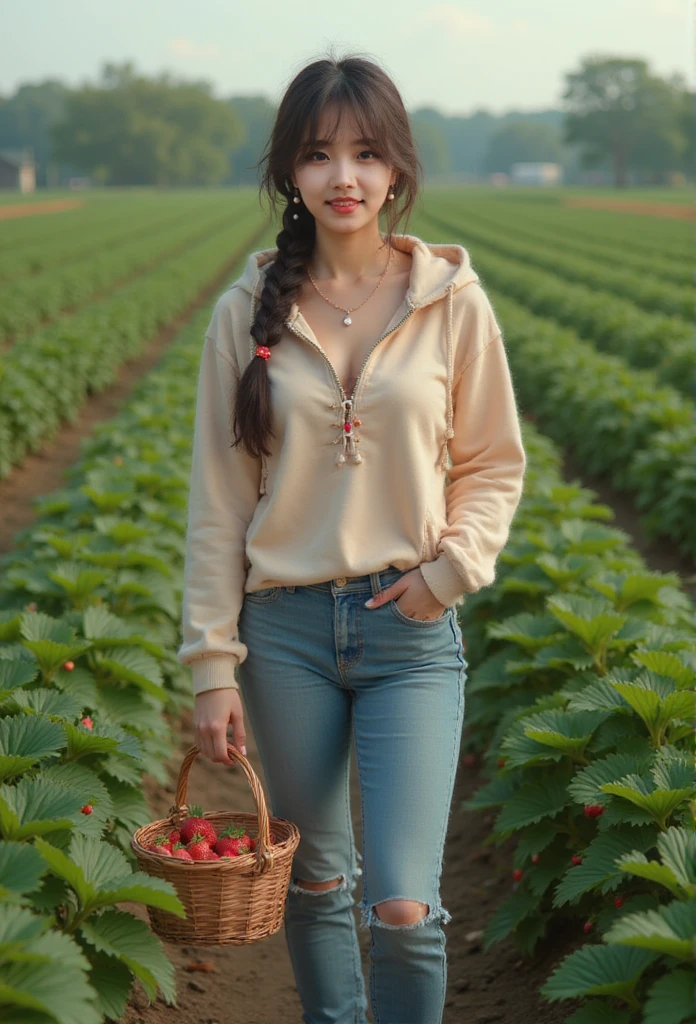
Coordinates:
(581,692)
(89,627)
(648,954)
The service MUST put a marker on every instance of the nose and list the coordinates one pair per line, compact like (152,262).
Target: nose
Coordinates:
(343,175)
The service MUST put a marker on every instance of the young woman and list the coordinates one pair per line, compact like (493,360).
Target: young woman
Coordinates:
(356,437)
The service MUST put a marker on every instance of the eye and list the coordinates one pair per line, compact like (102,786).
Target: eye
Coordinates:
(318,152)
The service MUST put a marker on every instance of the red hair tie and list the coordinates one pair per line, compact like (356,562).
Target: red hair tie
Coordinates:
(263,351)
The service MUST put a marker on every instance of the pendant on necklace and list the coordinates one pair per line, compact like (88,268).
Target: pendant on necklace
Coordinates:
(347,321)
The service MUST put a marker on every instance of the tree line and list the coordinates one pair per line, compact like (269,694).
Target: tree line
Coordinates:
(617,117)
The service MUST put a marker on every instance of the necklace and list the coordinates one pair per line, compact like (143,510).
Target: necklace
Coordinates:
(347,319)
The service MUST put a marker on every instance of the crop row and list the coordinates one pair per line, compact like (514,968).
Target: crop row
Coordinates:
(27,303)
(642,290)
(616,420)
(89,628)
(536,225)
(581,698)
(668,239)
(81,232)
(645,340)
(47,378)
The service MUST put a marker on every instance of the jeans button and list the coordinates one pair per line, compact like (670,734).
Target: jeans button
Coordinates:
(340,581)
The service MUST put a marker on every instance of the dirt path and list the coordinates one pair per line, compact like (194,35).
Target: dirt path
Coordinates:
(659,554)
(11,212)
(255,983)
(677,211)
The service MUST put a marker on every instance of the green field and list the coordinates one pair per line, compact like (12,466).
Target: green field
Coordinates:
(581,688)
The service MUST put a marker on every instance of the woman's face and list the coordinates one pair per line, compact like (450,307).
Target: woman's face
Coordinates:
(348,166)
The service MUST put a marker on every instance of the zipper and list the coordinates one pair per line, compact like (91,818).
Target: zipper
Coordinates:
(350,442)
(344,396)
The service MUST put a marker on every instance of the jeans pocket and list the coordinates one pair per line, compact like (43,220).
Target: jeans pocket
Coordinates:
(263,596)
(398,614)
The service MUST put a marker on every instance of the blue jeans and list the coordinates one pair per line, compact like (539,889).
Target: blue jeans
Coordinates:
(320,666)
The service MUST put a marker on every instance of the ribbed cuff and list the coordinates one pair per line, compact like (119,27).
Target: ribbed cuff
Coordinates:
(443,580)
(215,672)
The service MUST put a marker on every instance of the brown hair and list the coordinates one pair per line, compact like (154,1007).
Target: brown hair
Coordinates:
(361,86)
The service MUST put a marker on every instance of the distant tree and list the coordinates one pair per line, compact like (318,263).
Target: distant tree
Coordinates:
(523,140)
(256,113)
(148,131)
(616,109)
(687,121)
(468,140)
(27,117)
(430,135)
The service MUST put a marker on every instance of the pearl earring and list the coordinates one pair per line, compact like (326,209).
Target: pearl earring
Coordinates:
(391,194)
(296,199)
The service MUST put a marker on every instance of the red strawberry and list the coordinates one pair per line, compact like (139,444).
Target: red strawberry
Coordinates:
(160,844)
(199,848)
(182,854)
(227,847)
(196,823)
(575,859)
(69,666)
(501,762)
(587,927)
(517,874)
(594,810)
(87,809)
(175,837)
(87,722)
(618,901)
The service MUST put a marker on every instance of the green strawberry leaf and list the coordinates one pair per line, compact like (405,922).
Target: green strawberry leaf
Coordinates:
(124,936)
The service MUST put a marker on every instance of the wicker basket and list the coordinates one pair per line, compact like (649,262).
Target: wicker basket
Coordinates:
(231,901)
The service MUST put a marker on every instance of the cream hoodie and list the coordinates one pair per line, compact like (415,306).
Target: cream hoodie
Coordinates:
(434,389)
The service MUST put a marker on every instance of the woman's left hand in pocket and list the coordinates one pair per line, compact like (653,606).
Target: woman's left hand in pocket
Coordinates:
(419,603)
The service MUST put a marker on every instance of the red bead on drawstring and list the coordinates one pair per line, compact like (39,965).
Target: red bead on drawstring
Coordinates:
(263,351)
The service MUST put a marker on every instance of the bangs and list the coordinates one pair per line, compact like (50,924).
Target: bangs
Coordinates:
(368,130)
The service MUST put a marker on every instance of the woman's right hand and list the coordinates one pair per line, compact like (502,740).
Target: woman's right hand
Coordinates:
(214,711)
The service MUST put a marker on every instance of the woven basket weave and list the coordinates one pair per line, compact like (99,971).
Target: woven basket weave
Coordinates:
(231,901)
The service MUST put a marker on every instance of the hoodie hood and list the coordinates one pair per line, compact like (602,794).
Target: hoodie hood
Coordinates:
(438,267)
(438,270)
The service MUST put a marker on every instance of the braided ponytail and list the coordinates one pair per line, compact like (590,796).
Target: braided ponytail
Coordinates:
(284,276)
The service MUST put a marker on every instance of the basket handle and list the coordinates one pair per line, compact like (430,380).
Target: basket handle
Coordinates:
(179,810)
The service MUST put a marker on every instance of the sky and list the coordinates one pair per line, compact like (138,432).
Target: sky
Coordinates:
(458,57)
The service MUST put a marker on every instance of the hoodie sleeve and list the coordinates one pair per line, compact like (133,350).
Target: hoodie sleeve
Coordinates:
(223,494)
(487,471)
